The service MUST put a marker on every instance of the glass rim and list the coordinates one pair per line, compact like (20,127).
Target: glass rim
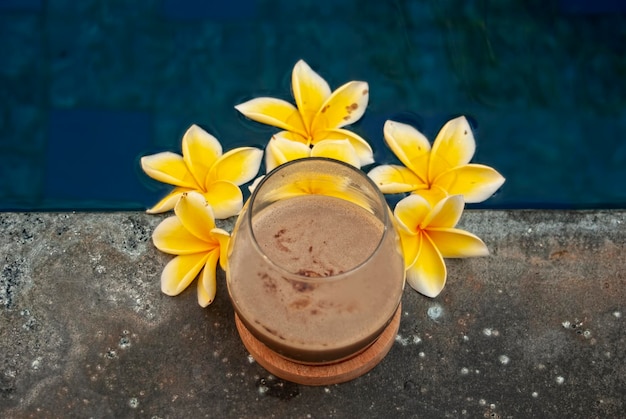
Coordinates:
(380,198)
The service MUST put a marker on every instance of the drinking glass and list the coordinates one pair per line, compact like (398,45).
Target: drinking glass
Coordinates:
(315,267)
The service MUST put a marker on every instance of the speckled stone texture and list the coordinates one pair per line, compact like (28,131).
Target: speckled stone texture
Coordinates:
(537,329)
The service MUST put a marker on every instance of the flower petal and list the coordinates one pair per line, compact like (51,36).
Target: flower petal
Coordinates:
(223,237)
(411,211)
(433,195)
(395,179)
(180,271)
(445,214)
(428,273)
(207,284)
(171,236)
(169,202)
(410,146)
(455,243)
(362,148)
(345,106)
(255,183)
(280,150)
(275,112)
(238,166)
(196,215)
(200,151)
(168,167)
(337,149)
(319,185)
(292,136)
(309,90)
(454,146)
(225,198)
(475,182)
(289,190)
(410,246)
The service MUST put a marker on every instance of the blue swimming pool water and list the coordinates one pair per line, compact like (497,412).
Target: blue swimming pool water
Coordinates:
(89,87)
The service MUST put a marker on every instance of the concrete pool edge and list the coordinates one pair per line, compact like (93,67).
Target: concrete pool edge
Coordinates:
(535,328)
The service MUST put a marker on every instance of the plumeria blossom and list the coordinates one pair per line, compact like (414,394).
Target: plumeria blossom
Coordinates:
(280,150)
(317,122)
(204,169)
(320,184)
(192,236)
(436,172)
(428,235)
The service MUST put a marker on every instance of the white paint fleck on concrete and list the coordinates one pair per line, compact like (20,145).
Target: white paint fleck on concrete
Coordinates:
(133,402)
(36,363)
(489,332)
(402,340)
(406,341)
(435,312)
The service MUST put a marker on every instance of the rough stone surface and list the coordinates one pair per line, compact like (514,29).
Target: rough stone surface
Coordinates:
(537,329)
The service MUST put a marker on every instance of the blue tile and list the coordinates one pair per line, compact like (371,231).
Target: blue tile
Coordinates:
(20,181)
(112,64)
(22,5)
(21,52)
(23,129)
(592,7)
(93,159)
(201,9)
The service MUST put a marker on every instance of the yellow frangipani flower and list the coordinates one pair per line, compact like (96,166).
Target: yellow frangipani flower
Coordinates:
(437,172)
(320,185)
(428,235)
(320,114)
(280,150)
(192,236)
(203,168)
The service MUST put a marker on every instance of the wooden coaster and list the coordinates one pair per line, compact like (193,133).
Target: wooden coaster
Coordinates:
(321,375)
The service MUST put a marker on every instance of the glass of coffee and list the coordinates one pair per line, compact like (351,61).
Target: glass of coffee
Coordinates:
(315,267)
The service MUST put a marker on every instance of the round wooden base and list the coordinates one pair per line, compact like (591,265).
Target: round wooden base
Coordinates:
(320,375)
